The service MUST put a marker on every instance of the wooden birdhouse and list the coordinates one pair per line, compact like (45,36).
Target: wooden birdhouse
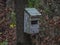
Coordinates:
(31,20)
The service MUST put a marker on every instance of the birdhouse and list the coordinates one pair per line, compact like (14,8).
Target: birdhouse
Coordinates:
(31,20)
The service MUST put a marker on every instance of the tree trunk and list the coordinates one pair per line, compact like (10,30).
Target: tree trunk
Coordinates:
(19,9)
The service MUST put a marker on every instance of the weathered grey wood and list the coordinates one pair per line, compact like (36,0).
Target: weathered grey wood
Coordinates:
(29,15)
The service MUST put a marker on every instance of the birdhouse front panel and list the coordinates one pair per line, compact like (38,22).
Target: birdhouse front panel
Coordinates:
(34,27)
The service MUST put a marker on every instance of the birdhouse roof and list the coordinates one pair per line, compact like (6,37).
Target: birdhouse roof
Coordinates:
(33,11)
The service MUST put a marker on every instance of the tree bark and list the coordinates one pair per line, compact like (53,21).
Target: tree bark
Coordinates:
(19,9)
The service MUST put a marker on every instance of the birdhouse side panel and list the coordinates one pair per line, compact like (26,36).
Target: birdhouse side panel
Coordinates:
(26,23)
